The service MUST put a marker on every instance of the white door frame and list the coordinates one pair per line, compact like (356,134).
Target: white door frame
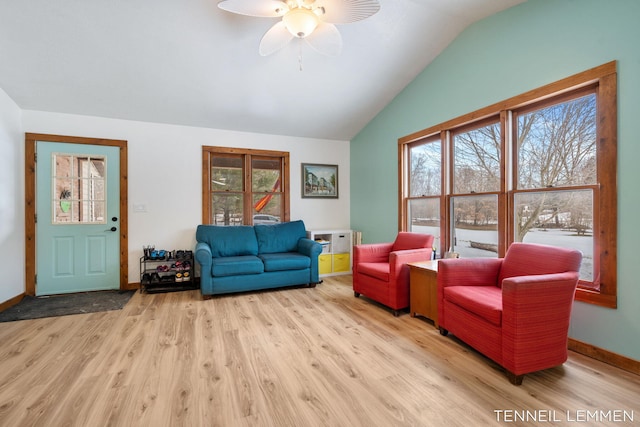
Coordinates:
(30,204)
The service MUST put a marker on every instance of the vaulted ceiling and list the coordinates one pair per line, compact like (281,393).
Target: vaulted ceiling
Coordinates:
(188,62)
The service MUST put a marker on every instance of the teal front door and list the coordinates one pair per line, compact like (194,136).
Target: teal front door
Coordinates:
(77,218)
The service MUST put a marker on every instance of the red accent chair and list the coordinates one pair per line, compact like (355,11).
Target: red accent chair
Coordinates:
(380,270)
(514,310)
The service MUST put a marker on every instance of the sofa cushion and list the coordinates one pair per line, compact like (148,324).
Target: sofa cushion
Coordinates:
(277,238)
(483,301)
(285,261)
(379,270)
(236,265)
(228,240)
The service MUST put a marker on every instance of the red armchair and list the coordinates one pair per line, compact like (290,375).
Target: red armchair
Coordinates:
(514,310)
(380,270)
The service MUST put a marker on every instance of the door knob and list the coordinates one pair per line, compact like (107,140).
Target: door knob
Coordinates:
(112,229)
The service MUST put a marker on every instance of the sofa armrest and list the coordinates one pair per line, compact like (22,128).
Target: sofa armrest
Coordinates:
(536,312)
(398,260)
(539,298)
(372,252)
(204,257)
(203,254)
(309,247)
(312,249)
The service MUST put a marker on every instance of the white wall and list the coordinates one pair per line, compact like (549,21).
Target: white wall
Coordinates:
(11,200)
(165,174)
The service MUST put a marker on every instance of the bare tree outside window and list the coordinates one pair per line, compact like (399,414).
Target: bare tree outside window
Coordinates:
(476,155)
(557,145)
(426,169)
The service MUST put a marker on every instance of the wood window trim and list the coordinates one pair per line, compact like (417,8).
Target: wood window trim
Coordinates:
(209,151)
(604,78)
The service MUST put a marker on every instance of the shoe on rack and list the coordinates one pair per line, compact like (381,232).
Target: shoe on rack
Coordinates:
(179,277)
(146,279)
(186,276)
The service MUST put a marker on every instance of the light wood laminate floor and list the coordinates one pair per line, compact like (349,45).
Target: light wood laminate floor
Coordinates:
(296,357)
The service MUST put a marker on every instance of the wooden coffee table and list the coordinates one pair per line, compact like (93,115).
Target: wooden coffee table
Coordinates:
(423,290)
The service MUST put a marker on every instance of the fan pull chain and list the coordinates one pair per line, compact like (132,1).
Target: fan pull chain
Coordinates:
(300,54)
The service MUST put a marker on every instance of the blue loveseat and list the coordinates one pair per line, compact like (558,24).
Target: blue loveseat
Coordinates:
(246,258)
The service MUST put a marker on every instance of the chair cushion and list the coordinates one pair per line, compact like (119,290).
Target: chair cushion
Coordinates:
(236,265)
(483,301)
(285,261)
(406,240)
(277,238)
(379,270)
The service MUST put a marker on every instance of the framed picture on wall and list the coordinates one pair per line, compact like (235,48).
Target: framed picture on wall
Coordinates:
(319,181)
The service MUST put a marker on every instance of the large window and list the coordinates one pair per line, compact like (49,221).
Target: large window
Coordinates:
(245,186)
(539,167)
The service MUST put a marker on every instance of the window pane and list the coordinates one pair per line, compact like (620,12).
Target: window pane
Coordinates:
(424,217)
(558,218)
(226,174)
(557,145)
(267,208)
(227,209)
(79,192)
(477,160)
(425,169)
(63,166)
(265,175)
(475,226)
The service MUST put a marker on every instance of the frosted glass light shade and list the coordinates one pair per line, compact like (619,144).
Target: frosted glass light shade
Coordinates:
(300,22)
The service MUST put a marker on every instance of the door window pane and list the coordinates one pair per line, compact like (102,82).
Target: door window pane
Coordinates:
(475,226)
(558,218)
(79,189)
(476,155)
(557,145)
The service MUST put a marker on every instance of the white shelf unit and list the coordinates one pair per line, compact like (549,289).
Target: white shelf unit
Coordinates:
(337,251)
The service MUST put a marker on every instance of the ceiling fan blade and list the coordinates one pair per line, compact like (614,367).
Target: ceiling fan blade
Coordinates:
(275,39)
(326,39)
(259,8)
(347,11)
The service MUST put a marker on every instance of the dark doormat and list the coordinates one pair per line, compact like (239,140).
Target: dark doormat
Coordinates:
(64,305)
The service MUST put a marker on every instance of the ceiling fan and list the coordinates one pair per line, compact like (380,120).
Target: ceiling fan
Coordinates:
(310,20)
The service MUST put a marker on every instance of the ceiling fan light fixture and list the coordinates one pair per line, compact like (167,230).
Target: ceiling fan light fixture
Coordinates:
(300,22)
